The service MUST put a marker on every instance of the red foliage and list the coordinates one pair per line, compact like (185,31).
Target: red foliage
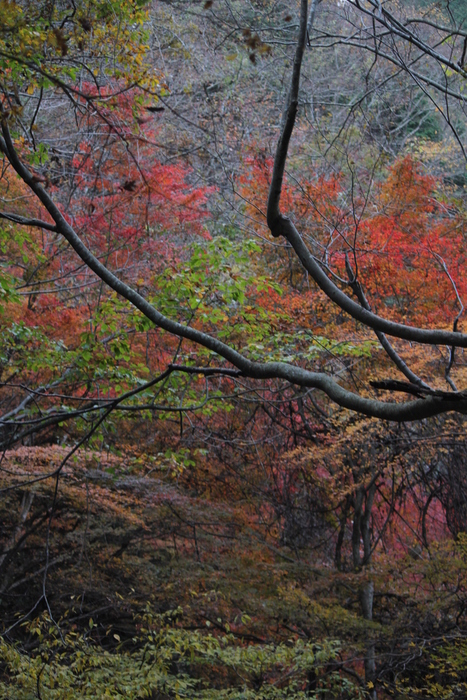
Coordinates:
(406,243)
(129,206)
(410,250)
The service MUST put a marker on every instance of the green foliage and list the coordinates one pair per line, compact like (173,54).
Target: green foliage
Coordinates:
(8,282)
(443,675)
(293,347)
(43,46)
(213,283)
(20,345)
(164,658)
(8,291)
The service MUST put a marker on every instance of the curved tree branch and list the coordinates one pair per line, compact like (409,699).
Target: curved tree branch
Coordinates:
(281,225)
(426,405)
(413,410)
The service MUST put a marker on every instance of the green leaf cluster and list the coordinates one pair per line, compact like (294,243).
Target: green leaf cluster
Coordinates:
(164,658)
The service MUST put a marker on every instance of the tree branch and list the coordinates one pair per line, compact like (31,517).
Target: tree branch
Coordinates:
(24,221)
(421,408)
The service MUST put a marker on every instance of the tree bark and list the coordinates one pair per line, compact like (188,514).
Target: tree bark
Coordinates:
(361,535)
(366,601)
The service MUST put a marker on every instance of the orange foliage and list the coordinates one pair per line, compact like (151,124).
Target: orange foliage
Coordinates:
(410,250)
(406,244)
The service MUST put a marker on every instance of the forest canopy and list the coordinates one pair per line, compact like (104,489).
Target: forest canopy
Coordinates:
(232,294)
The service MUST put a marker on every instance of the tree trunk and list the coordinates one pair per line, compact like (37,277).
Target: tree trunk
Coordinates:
(366,600)
(361,535)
